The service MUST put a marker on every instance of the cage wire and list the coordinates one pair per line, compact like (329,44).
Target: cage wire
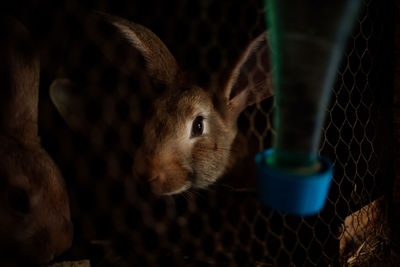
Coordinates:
(118,222)
(395,216)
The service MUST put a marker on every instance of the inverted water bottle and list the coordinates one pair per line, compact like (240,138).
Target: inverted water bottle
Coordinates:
(307,39)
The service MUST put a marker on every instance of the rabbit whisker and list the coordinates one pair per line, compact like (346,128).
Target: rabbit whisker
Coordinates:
(198,194)
(243,189)
(184,195)
(188,194)
(218,149)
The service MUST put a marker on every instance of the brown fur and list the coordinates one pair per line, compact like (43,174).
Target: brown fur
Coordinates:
(168,158)
(34,209)
(162,64)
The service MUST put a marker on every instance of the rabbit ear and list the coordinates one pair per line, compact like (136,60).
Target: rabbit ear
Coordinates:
(250,80)
(19,79)
(160,63)
(68,103)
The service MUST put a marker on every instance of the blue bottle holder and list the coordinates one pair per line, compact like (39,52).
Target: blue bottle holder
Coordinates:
(293,193)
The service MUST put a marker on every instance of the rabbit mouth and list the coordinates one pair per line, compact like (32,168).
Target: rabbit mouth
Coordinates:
(190,182)
(187,184)
(185,187)
(191,176)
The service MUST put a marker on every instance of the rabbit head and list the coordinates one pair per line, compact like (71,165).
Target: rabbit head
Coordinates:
(34,210)
(188,136)
(189,133)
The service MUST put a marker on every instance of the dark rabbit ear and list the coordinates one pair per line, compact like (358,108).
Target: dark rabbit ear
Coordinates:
(160,63)
(68,103)
(250,80)
(19,79)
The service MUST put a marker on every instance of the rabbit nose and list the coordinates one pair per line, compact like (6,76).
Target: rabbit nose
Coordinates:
(154,179)
(148,178)
(154,171)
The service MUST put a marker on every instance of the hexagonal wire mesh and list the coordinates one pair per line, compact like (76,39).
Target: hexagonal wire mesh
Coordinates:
(225,225)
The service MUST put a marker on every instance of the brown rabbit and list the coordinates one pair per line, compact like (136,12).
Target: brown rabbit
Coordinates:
(35,223)
(190,137)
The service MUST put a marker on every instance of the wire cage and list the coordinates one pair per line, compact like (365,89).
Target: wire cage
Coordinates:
(119,223)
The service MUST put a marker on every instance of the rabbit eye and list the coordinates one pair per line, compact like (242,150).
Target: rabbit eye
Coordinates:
(197,127)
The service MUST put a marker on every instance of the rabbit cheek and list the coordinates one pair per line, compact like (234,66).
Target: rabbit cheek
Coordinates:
(55,238)
(41,237)
(38,248)
(209,163)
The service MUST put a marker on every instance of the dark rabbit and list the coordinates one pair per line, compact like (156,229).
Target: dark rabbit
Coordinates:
(191,135)
(35,223)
